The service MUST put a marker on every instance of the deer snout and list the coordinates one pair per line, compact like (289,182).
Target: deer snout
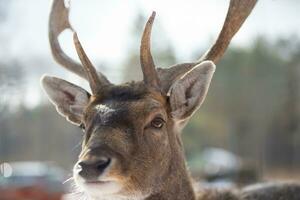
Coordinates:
(91,170)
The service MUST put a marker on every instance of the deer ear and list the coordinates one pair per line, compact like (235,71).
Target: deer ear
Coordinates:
(69,99)
(188,93)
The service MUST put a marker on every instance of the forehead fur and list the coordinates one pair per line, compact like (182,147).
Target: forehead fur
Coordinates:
(127,92)
(132,91)
(114,105)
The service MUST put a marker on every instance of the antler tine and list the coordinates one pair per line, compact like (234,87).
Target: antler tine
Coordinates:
(90,71)
(147,63)
(237,13)
(58,22)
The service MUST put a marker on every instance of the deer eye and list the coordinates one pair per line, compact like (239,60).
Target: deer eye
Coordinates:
(157,122)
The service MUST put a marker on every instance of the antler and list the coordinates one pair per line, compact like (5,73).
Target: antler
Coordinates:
(58,22)
(237,13)
(90,71)
(147,63)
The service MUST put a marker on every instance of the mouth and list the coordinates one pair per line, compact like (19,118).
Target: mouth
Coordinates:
(100,182)
(96,182)
(100,185)
(100,188)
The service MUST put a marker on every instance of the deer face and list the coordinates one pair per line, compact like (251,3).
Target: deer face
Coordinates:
(131,137)
(126,139)
(131,143)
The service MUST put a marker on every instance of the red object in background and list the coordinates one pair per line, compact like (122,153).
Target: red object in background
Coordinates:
(32,181)
(28,193)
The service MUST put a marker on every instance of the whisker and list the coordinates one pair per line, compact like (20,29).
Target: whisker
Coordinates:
(69,179)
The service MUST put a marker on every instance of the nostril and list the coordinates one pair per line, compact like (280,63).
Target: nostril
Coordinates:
(78,167)
(101,165)
(81,165)
(91,170)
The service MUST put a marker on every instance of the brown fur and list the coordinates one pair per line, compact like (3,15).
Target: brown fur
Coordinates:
(148,160)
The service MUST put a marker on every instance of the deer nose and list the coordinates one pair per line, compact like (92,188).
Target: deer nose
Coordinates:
(90,171)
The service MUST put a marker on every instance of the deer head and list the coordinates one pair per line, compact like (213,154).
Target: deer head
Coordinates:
(132,147)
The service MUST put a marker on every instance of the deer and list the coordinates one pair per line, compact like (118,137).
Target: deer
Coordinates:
(132,147)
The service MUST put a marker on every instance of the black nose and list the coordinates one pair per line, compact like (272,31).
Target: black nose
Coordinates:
(90,171)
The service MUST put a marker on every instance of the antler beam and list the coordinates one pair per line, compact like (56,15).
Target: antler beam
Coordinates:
(58,22)
(162,79)
(237,13)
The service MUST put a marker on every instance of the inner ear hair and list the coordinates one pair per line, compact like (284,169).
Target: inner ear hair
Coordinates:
(188,93)
(70,100)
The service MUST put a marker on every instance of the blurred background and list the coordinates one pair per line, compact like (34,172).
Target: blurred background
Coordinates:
(249,121)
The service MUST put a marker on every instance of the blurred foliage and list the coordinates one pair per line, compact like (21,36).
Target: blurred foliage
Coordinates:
(253,104)
(11,73)
(39,134)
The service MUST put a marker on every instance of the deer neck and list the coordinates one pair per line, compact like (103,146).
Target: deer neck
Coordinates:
(177,183)
(175,189)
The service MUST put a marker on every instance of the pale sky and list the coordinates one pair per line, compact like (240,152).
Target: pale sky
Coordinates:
(104,29)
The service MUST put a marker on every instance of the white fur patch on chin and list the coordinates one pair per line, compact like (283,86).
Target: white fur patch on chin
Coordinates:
(103,191)
(106,191)
(98,190)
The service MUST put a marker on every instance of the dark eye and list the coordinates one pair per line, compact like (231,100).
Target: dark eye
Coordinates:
(157,122)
